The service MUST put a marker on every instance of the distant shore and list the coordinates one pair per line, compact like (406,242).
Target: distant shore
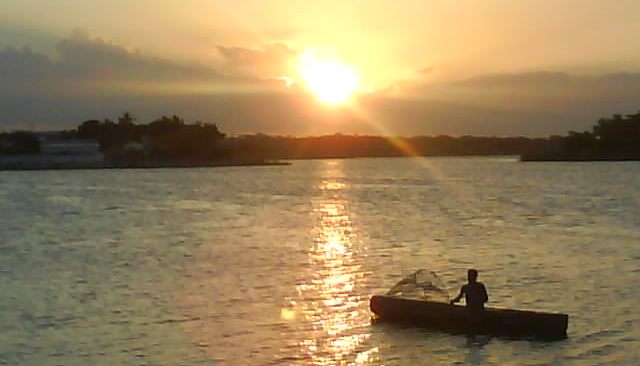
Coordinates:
(139,165)
(549,157)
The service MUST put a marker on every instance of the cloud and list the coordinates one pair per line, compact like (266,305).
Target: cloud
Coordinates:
(599,86)
(269,61)
(82,64)
(93,78)
(418,116)
(23,66)
(12,34)
(99,59)
(575,100)
(527,79)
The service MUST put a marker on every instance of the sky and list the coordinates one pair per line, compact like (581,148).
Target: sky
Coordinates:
(459,67)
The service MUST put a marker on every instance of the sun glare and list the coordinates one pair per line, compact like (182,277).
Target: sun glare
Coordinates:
(331,81)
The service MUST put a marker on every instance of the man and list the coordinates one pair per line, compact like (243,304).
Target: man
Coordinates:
(475,294)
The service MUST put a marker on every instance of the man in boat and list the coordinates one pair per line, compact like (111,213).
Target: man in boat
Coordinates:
(475,294)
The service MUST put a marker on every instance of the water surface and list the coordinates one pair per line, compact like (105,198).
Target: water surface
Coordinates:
(275,265)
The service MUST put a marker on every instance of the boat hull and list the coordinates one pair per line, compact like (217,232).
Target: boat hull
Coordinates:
(459,319)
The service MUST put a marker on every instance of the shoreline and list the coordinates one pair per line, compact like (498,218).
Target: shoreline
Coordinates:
(106,166)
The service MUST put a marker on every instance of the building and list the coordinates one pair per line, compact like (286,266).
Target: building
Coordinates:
(57,151)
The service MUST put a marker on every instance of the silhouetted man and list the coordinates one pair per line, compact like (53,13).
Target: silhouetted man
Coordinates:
(475,294)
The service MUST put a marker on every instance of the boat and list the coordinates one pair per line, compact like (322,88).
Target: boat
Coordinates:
(404,304)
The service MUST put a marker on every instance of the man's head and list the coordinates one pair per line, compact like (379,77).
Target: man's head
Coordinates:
(472,275)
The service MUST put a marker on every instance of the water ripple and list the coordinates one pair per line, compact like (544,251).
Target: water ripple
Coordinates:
(275,266)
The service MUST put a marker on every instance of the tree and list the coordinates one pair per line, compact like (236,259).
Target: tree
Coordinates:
(126,120)
(89,129)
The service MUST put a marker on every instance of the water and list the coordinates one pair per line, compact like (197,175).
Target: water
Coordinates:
(275,265)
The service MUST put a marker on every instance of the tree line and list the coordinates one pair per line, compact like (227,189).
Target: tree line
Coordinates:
(350,146)
(171,138)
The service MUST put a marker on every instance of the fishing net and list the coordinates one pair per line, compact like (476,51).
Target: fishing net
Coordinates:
(421,285)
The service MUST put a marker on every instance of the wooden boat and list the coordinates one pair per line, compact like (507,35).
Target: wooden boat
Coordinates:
(459,319)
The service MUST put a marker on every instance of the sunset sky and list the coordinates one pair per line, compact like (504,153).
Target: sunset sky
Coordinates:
(422,67)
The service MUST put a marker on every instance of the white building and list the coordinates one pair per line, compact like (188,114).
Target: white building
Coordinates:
(57,153)
(71,151)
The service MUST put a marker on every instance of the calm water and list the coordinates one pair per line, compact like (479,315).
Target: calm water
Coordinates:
(275,265)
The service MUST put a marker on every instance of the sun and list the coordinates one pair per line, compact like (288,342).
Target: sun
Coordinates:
(331,81)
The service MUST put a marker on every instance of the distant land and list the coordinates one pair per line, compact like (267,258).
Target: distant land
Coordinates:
(171,142)
(167,142)
(611,139)
(615,138)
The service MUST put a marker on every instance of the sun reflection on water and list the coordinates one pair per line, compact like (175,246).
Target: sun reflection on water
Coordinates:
(304,302)
(334,308)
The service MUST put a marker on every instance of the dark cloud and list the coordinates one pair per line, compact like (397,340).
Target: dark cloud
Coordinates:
(23,65)
(13,34)
(98,59)
(545,81)
(582,95)
(417,116)
(561,100)
(528,79)
(82,62)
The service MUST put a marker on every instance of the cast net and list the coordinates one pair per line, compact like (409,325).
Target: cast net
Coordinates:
(421,285)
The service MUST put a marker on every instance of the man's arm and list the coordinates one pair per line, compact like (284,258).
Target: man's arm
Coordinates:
(457,298)
(485,297)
